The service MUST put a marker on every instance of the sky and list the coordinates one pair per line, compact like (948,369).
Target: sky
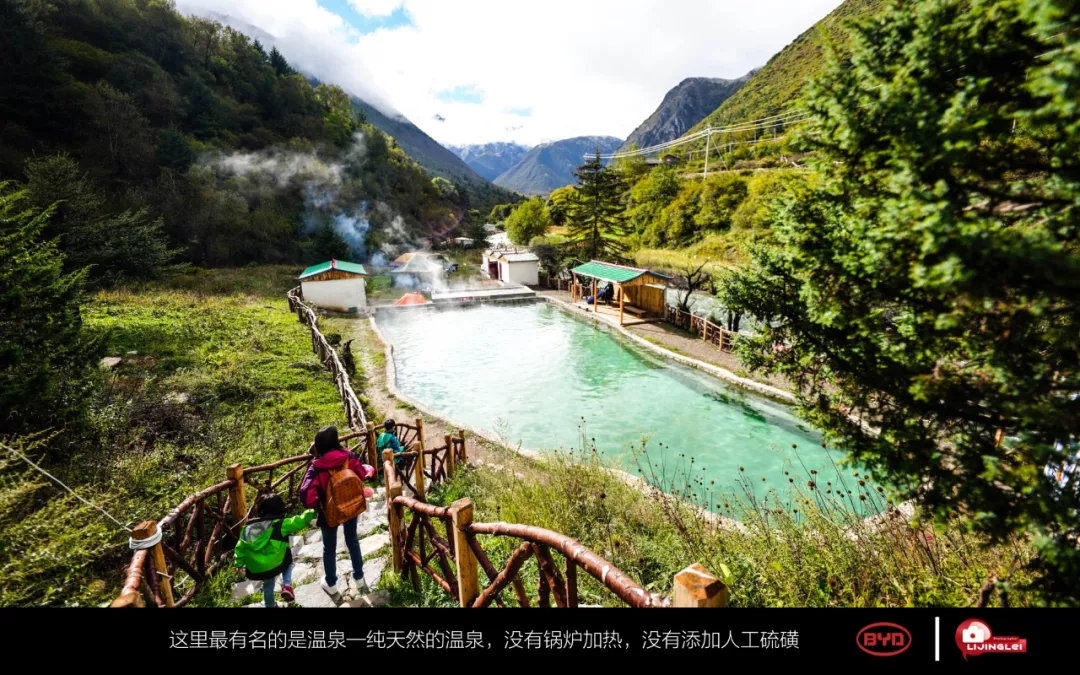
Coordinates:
(526,71)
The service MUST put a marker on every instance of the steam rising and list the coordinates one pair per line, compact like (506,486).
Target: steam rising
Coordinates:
(329,196)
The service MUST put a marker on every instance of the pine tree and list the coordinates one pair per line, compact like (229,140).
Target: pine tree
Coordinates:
(43,357)
(257,46)
(281,66)
(327,243)
(595,225)
(927,292)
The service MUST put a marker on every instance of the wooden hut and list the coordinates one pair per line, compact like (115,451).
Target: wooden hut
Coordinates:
(336,285)
(639,291)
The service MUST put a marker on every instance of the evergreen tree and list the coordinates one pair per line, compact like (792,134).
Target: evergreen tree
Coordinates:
(130,245)
(43,358)
(257,46)
(595,225)
(927,292)
(327,243)
(173,150)
(278,62)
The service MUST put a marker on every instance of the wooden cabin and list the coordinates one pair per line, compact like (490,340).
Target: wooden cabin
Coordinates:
(638,291)
(335,285)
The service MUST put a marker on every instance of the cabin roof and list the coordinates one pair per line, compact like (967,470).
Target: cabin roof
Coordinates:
(612,272)
(339,265)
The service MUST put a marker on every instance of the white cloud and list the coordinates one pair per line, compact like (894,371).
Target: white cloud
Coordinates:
(375,7)
(583,67)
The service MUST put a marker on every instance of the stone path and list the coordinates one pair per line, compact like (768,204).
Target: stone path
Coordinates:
(307,551)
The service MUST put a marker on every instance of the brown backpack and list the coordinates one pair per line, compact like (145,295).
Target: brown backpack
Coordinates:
(344,497)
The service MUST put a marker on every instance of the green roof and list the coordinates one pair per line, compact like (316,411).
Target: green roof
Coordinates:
(612,272)
(340,265)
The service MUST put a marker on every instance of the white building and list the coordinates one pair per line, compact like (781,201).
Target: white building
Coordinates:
(335,285)
(512,267)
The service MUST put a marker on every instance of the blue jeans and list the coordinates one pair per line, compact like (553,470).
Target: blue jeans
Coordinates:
(329,555)
(268,586)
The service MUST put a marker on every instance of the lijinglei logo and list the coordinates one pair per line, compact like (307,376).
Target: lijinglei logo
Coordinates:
(974,638)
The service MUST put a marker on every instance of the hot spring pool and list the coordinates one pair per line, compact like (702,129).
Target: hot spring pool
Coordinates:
(532,373)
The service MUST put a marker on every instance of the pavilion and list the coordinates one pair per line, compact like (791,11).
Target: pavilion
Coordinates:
(638,290)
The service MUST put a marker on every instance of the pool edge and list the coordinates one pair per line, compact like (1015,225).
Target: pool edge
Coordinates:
(768,391)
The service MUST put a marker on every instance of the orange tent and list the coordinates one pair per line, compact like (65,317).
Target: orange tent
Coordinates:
(411,299)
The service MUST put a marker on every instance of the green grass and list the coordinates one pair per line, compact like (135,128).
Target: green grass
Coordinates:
(223,373)
(796,550)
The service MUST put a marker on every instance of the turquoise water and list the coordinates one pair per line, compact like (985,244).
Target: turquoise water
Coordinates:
(532,373)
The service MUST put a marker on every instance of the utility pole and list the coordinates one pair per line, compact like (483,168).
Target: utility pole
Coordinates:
(708,138)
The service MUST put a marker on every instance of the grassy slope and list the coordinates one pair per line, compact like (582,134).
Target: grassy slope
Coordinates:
(777,86)
(796,551)
(227,341)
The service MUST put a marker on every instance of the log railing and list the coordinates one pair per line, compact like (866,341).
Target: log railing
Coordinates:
(708,331)
(354,412)
(198,536)
(444,543)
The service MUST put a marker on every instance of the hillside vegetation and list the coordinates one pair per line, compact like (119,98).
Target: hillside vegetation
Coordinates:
(214,370)
(778,85)
(232,155)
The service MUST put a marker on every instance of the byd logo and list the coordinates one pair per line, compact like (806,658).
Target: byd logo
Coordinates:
(883,639)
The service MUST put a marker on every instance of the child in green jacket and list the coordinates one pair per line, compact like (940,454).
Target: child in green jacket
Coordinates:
(263,549)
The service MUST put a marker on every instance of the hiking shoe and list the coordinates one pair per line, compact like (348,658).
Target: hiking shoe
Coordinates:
(287,593)
(332,591)
(361,586)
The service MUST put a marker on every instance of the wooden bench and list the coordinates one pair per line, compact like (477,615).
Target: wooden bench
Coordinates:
(636,311)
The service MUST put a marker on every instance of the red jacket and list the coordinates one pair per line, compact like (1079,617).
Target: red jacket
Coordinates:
(313,487)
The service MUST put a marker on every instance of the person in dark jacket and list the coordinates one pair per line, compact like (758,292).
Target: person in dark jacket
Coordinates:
(330,455)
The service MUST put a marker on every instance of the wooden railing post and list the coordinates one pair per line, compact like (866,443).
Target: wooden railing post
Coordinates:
(393,514)
(235,472)
(449,456)
(468,582)
(146,530)
(421,491)
(418,478)
(464,450)
(373,452)
(695,586)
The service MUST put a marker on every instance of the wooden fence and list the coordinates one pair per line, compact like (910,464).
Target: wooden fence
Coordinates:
(453,557)
(559,284)
(354,412)
(723,338)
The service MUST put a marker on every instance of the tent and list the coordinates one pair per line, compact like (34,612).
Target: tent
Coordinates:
(411,299)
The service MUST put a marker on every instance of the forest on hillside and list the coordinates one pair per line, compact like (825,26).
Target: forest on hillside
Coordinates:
(171,139)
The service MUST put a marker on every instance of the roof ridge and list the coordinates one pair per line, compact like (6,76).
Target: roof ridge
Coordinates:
(625,267)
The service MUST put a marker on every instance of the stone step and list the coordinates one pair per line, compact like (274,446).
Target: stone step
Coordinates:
(311,594)
(368,521)
(368,545)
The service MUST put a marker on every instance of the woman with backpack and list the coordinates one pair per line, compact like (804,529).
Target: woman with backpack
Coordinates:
(334,486)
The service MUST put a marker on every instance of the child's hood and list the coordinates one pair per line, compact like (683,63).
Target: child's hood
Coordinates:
(256,530)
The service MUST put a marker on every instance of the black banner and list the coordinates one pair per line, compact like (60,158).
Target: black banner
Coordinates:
(914,637)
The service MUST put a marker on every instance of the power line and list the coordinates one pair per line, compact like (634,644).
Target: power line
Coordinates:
(771,121)
(61,484)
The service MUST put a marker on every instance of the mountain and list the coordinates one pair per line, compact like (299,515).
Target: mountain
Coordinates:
(438,161)
(551,165)
(423,149)
(684,106)
(490,159)
(777,86)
